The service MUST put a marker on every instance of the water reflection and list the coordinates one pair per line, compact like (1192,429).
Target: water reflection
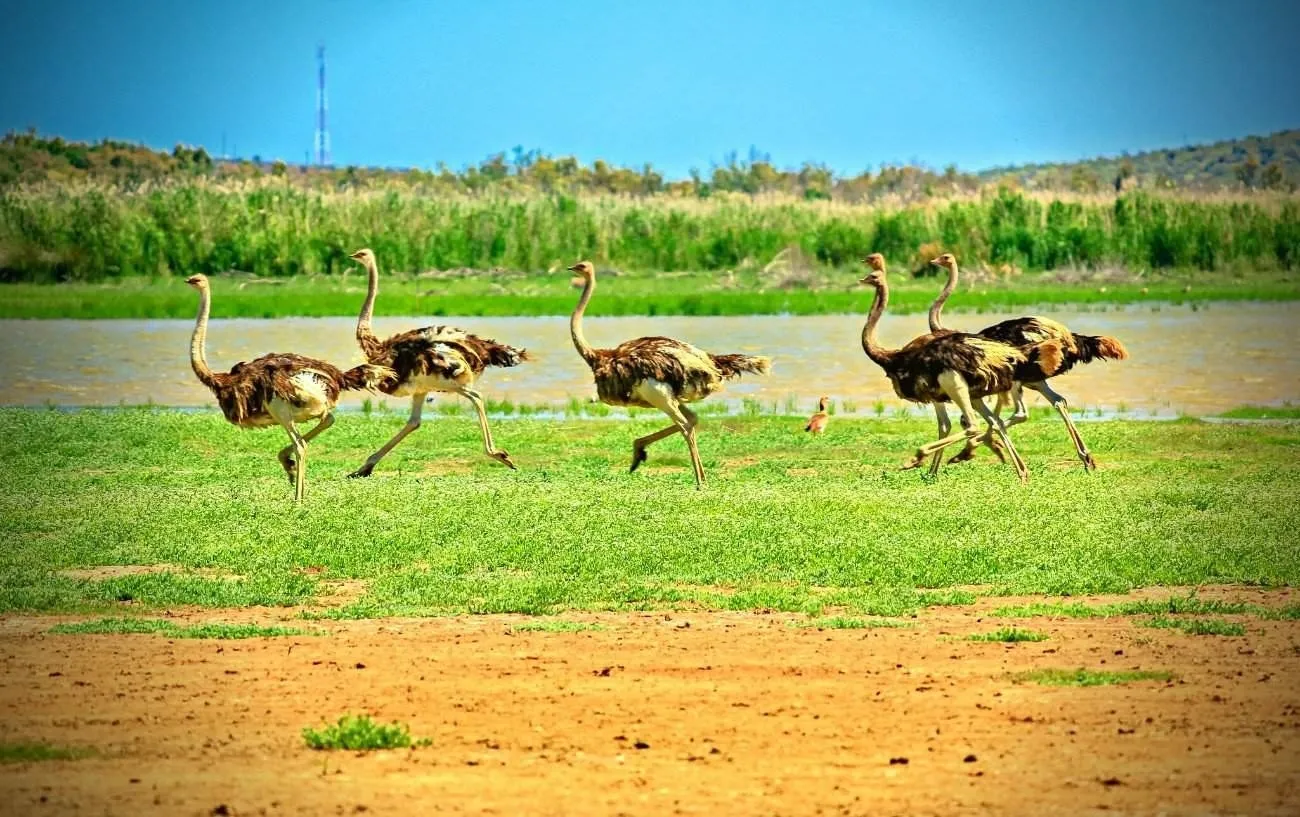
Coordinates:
(1183,360)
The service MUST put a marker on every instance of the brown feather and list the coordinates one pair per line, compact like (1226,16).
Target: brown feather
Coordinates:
(439,351)
(1074,348)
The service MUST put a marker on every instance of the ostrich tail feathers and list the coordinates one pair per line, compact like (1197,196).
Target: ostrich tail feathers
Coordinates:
(1104,347)
(367,377)
(730,366)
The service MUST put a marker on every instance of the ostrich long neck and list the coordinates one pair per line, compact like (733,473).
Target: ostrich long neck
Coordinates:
(198,359)
(365,336)
(575,322)
(936,308)
(875,351)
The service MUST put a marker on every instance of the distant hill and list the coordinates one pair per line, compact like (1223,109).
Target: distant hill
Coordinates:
(1260,162)
(1255,162)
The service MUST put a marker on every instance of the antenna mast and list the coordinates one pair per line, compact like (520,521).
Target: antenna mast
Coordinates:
(322,107)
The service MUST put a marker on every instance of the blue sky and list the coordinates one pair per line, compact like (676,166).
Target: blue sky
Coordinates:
(677,83)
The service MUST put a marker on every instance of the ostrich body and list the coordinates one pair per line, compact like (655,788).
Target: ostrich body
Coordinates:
(656,372)
(432,359)
(817,422)
(277,389)
(942,367)
(1028,334)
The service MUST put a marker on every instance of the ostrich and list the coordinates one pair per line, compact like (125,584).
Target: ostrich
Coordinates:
(282,389)
(1025,334)
(656,372)
(817,422)
(936,368)
(435,358)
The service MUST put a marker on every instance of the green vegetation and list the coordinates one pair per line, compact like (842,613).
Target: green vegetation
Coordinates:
(1088,678)
(1286,411)
(1008,635)
(544,625)
(851,623)
(1269,162)
(426,537)
(751,293)
(153,626)
(32,752)
(1173,605)
(276,230)
(1197,626)
(358,733)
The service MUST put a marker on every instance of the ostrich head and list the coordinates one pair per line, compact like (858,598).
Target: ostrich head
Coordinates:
(364,256)
(947,261)
(199,281)
(876,262)
(584,269)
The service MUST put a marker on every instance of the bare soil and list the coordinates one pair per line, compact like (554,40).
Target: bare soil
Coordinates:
(690,713)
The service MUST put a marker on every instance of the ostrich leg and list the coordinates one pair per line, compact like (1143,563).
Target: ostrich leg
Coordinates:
(412,423)
(488,445)
(945,427)
(640,443)
(1058,402)
(996,423)
(661,397)
(284,415)
(287,461)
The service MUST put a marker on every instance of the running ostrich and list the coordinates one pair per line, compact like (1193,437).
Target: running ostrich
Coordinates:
(282,389)
(817,422)
(936,368)
(656,372)
(432,359)
(1025,333)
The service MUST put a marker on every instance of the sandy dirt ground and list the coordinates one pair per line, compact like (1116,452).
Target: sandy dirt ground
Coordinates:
(669,713)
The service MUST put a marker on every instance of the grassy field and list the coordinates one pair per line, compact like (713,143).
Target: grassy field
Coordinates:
(750,293)
(823,526)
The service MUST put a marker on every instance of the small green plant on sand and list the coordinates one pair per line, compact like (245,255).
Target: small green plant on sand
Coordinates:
(851,623)
(1198,626)
(1009,635)
(32,752)
(1088,678)
(154,626)
(358,733)
(554,626)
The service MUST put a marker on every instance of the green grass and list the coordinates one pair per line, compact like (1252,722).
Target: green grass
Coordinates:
(358,733)
(851,623)
(1173,605)
(1197,626)
(1088,678)
(1008,635)
(440,529)
(126,626)
(630,294)
(33,752)
(554,626)
(1286,411)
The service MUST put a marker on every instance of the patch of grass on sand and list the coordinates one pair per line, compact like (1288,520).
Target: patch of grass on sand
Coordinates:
(1088,678)
(154,626)
(1197,626)
(360,733)
(1008,635)
(33,752)
(1286,411)
(554,626)
(852,623)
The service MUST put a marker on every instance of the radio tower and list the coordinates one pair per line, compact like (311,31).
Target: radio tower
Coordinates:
(322,106)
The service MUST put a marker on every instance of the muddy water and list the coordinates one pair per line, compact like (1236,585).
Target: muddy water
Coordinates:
(1198,362)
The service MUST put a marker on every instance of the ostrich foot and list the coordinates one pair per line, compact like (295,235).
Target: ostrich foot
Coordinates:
(363,471)
(964,455)
(1089,464)
(638,457)
(915,462)
(504,458)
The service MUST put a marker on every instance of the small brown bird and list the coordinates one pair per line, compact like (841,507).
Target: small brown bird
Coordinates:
(817,422)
